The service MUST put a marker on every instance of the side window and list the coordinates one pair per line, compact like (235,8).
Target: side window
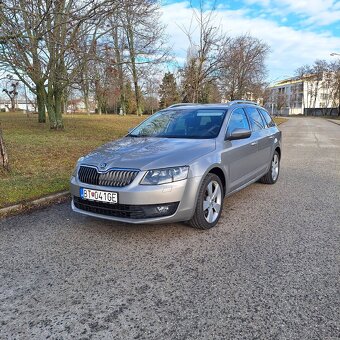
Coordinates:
(238,120)
(267,118)
(256,121)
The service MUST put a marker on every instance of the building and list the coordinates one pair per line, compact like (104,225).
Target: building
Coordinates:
(77,105)
(309,95)
(20,104)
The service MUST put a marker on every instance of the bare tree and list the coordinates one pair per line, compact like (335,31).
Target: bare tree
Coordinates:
(144,39)
(327,88)
(46,47)
(244,68)
(132,46)
(303,73)
(11,90)
(22,51)
(281,101)
(266,95)
(69,22)
(119,46)
(204,55)
(3,153)
(319,68)
(335,84)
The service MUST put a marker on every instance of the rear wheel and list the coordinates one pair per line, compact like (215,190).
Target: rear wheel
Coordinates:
(273,173)
(209,203)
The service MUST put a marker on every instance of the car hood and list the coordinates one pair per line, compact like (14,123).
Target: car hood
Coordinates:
(148,153)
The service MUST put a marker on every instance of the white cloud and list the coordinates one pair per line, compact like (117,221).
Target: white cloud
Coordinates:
(317,12)
(290,48)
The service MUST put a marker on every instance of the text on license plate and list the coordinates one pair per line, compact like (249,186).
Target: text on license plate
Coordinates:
(98,195)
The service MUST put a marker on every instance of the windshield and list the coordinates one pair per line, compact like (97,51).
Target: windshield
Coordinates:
(199,123)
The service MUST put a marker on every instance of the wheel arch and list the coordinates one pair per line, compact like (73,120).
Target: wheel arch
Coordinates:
(219,172)
(278,150)
(195,220)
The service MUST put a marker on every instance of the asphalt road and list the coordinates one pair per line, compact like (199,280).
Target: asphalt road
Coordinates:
(269,270)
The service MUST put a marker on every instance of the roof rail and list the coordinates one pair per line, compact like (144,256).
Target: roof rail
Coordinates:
(182,104)
(234,102)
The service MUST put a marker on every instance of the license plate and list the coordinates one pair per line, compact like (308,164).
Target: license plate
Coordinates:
(98,195)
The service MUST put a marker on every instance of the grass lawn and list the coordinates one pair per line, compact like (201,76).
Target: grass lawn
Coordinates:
(280,120)
(331,117)
(42,160)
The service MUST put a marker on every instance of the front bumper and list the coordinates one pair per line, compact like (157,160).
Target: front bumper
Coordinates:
(180,195)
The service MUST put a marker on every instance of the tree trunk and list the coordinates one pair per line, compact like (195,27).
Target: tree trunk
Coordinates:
(54,107)
(86,97)
(131,46)
(51,109)
(138,106)
(120,71)
(13,104)
(41,103)
(86,102)
(3,153)
(99,107)
(58,99)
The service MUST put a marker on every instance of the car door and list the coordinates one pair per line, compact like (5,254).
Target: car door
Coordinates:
(272,134)
(239,156)
(261,136)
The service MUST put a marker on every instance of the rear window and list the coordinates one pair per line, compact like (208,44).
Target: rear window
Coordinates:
(269,121)
(255,118)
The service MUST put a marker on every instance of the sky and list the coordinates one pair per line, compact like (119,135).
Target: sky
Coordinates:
(297,31)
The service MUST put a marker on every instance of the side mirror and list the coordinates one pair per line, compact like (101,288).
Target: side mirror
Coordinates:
(238,134)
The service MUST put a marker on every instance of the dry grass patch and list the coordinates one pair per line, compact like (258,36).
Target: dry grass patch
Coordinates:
(42,160)
(280,120)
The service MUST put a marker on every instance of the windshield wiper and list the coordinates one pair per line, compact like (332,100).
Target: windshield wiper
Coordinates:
(130,135)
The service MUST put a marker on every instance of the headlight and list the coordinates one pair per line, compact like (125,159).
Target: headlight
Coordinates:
(167,175)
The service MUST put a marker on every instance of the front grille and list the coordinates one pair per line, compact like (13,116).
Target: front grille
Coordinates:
(123,210)
(111,178)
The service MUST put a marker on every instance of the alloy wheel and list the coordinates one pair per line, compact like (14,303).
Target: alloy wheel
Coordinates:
(275,167)
(212,202)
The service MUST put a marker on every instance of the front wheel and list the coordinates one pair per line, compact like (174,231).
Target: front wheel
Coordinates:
(209,203)
(273,173)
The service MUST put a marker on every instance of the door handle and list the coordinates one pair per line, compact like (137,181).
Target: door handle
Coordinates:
(271,137)
(253,143)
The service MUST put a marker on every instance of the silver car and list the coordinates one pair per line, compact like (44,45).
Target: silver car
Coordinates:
(179,164)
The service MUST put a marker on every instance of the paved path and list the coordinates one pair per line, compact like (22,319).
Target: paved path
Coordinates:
(335,121)
(270,270)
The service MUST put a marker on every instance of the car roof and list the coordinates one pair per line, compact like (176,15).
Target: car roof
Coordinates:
(215,106)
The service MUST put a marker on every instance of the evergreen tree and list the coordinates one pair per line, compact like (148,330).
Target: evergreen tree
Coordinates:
(211,93)
(130,100)
(168,92)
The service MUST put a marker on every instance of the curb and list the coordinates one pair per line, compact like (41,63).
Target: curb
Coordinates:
(334,121)
(38,203)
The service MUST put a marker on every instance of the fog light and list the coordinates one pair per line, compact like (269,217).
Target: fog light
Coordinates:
(158,210)
(163,209)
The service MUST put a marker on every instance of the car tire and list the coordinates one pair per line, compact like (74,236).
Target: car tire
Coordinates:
(209,203)
(274,170)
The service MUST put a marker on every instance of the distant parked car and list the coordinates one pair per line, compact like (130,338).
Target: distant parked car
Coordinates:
(179,164)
